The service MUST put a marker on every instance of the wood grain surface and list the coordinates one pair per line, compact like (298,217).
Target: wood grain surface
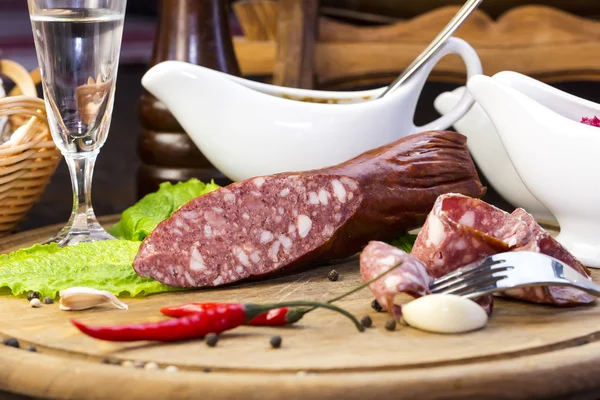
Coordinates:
(540,41)
(296,37)
(542,351)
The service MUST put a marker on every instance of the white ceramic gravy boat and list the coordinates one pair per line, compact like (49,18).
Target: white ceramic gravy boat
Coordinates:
(488,152)
(555,155)
(247,128)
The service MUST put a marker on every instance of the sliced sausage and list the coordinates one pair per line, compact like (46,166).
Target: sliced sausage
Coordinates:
(266,224)
(461,231)
(411,277)
(544,243)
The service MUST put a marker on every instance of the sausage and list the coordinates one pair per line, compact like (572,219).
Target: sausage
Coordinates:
(267,224)
(411,277)
(542,242)
(461,231)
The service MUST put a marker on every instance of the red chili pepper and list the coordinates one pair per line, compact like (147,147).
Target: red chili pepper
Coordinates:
(211,320)
(276,317)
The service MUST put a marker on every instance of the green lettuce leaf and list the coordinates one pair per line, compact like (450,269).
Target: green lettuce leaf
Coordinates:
(104,265)
(140,219)
(405,242)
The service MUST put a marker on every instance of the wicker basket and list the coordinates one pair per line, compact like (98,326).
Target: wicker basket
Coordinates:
(30,157)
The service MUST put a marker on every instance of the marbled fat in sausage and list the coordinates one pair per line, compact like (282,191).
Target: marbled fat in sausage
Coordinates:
(542,242)
(265,224)
(461,231)
(411,277)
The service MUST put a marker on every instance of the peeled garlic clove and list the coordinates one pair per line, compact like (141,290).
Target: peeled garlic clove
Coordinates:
(444,313)
(81,298)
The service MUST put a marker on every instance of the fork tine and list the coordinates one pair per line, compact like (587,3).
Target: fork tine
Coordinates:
(471,278)
(465,271)
(476,288)
(469,275)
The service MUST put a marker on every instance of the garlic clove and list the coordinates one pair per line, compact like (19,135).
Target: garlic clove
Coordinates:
(82,298)
(444,313)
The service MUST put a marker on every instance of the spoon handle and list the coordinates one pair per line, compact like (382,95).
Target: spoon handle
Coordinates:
(435,45)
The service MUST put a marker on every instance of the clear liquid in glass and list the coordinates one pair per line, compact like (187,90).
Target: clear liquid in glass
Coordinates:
(78,51)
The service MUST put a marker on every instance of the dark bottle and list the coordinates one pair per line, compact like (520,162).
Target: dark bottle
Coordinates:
(196,31)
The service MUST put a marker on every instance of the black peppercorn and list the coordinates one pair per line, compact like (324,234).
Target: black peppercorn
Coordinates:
(276,342)
(375,305)
(31,348)
(212,339)
(366,321)
(48,300)
(333,275)
(12,342)
(33,295)
(390,325)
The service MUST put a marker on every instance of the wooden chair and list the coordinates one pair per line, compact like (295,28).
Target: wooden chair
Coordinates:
(297,45)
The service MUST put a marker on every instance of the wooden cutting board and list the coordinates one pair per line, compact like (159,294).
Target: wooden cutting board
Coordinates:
(526,351)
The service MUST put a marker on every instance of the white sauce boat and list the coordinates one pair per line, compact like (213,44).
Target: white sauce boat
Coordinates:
(248,129)
(555,155)
(488,152)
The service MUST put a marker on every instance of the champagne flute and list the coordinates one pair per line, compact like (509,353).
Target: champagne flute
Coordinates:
(78,44)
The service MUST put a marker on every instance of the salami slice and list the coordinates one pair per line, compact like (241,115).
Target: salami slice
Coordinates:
(411,278)
(266,224)
(544,243)
(460,231)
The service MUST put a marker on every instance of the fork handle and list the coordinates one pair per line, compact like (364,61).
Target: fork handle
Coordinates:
(588,287)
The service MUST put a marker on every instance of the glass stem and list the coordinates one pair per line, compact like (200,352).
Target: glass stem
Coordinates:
(81,168)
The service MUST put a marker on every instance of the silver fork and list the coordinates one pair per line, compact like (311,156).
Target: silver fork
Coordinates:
(512,270)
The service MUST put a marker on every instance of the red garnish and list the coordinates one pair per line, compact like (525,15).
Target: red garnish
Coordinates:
(594,121)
